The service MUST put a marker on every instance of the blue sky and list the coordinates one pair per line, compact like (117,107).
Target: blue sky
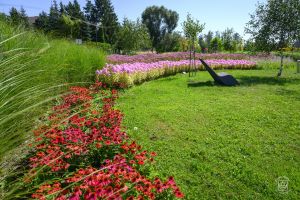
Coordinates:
(216,14)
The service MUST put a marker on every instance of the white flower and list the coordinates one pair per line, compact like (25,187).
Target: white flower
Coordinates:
(135,128)
(184,72)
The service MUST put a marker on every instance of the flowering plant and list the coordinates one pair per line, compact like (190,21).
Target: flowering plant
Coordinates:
(82,152)
(174,56)
(133,73)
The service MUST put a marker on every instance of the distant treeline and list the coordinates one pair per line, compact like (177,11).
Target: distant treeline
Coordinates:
(98,22)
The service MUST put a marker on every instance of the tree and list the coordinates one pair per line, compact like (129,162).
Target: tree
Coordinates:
(275,25)
(191,29)
(105,15)
(24,17)
(159,22)
(18,17)
(249,46)
(208,38)
(170,43)
(74,18)
(89,28)
(42,21)
(216,44)
(227,39)
(202,43)
(132,36)
(217,34)
(54,24)
(237,42)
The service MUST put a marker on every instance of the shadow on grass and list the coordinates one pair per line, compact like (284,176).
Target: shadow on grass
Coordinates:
(256,80)
(200,84)
(294,94)
(250,80)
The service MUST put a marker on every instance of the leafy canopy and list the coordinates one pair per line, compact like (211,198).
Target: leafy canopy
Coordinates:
(159,22)
(275,25)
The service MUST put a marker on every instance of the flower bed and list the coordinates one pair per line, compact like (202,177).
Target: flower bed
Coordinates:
(82,152)
(176,56)
(134,73)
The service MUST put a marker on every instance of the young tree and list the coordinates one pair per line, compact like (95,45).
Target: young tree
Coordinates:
(191,29)
(274,25)
(159,22)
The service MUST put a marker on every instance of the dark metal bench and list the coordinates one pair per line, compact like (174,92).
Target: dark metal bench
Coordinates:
(221,78)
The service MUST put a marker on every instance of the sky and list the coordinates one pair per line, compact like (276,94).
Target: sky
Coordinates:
(216,14)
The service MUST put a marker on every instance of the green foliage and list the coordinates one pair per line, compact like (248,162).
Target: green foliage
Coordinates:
(133,36)
(159,22)
(42,21)
(227,38)
(231,40)
(208,38)
(34,72)
(249,46)
(97,23)
(275,24)
(170,43)
(216,45)
(202,43)
(105,16)
(18,17)
(192,28)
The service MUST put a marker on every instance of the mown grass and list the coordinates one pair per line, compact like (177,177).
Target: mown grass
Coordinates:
(35,70)
(221,142)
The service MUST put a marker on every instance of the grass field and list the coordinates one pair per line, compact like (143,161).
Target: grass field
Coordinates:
(221,142)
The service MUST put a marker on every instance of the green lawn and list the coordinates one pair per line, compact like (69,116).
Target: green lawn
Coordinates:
(221,142)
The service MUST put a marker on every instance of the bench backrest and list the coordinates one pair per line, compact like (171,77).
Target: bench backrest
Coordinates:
(211,71)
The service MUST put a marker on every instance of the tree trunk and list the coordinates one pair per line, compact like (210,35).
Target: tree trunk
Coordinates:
(190,60)
(194,61)
(281,65)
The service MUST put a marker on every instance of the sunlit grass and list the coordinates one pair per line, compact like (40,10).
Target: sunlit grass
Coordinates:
(35,71)
(221,142)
